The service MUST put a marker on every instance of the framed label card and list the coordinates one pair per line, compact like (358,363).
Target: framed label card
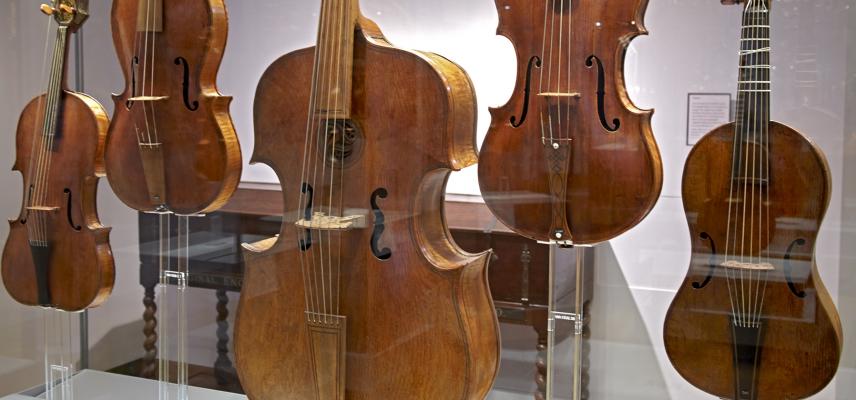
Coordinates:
(706,111)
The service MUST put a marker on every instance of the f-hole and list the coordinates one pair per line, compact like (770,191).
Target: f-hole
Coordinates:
(789,268)
(26,211)
(711,263)
(306,242)
(534,62)
(67,192)
(135,62)
(384,253)
(601,84)
(185,85)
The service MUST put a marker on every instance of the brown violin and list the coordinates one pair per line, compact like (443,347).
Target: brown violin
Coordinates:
(58,254)
(569,158)
(363,294)
(752,320)
(172,145)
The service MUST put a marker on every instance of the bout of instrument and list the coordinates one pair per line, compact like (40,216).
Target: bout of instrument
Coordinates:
(569,158)
(752,320)
(58,254)
(363,295)
(172,145)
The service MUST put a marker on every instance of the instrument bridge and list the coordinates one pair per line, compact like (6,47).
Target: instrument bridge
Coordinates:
(747,266)
(323,222)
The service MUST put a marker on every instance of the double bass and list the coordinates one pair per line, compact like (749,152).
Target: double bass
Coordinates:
(363,294)
(569,158)
(172,146)
(752,320)
(58,254)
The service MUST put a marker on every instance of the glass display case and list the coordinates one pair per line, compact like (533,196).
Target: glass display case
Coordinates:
(375,199)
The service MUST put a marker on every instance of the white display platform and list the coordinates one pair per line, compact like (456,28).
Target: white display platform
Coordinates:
(97,385)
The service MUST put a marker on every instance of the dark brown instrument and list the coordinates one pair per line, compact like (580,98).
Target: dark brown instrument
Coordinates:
(172,145)
(752,320)
(58,254)
(569,158)
(363,295)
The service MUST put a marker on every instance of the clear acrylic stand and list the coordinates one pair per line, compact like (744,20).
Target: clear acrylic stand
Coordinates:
(565,323)
(174,272)
(60,355)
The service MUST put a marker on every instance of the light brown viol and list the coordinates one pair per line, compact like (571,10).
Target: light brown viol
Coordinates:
(172,145)
(58,253)
(752,320)
(363,295)
(569,158)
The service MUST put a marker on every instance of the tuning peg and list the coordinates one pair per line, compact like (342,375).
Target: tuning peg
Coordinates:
(64,8)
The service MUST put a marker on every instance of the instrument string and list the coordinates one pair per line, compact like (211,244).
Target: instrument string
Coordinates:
(304,176)
(54,97)
(544,61)
(764,59)
(318,154)
(33,230)
(48,126)
(559,67)
(346,18)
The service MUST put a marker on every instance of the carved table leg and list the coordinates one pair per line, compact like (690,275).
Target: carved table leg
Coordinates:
(149,367)
(541,369)
(224,371)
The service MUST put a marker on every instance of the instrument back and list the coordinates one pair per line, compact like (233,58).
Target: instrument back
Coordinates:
(569,158)
(363,295)
(172,145)
(58,254)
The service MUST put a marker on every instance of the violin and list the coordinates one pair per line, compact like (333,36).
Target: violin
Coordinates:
(172,145)
(752,320)
(58,254)
(363,294)
(569,158)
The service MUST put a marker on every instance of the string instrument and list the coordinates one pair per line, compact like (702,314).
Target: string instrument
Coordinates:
(569,158)
(172,145)
(363,295)
(58,254)
(752,320)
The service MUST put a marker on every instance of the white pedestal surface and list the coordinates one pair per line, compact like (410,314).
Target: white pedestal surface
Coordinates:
(97,385)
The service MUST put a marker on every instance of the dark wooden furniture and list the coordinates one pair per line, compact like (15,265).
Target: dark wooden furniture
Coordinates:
(517,272)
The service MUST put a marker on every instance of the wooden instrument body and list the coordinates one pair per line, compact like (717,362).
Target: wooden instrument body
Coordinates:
(200,150)
(81,270)
(420,324)
(613,178)
(801,341)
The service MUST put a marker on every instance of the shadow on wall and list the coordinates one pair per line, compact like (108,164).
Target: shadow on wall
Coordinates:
(623,362)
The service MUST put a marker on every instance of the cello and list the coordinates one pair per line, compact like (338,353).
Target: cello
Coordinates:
(363,294)
(172,146)
(585,164)
(58,254)
(752,320)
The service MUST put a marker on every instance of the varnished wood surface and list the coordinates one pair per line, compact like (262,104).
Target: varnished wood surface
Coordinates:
(202,157)
(614,178)
(420,325)
(801,344)
(81,270)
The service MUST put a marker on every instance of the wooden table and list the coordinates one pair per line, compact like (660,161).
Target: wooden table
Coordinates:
(517,273)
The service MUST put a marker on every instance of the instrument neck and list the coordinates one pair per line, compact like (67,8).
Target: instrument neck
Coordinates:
(753,94)
(56,82)
(332,75)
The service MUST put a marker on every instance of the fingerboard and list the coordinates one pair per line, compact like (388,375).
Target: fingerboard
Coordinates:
(751,150)
(334,59)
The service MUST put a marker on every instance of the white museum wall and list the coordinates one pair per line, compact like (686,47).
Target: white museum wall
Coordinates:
(691,48)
